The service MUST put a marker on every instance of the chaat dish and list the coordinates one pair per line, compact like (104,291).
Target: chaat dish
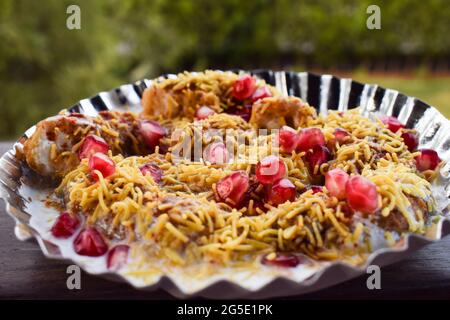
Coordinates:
(222,170)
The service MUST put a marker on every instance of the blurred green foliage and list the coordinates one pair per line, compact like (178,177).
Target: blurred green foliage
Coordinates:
(45,67)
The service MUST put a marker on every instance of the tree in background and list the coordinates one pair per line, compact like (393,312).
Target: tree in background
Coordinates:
(45,67)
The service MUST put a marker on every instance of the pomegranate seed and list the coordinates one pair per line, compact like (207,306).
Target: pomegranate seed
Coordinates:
(309,138)
(233,187)
(151,132)
(427,160)
(410,140)
(341,136)
(335,181)
(362,194)
(163,148)
(280,192)
(270,169)
(255,192)
(204,112)
(89,242)
(245,112)
(92,144)
(288,139)
(317,156)
(261,93)
(154,170)
(65,225)
(244,87)
(101,162)
(392,123)
(117,257)
(281,260)
(316,189)
(216,153)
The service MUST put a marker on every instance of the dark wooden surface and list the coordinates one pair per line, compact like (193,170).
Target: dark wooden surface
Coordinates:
(26,274)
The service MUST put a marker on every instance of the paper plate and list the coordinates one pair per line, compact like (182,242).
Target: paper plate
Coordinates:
(325,92)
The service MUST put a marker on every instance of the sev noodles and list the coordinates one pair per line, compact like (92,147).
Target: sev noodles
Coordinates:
(180,221)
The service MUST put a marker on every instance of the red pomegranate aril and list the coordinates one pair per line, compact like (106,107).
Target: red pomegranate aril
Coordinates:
(362,194)
(281,260)
(204,112)
(65,225)
(163,148)
(309,138)
(92,144)
(261,93)
(427,160)
(152,132)
(154,170)
(335,181)
(410,140)
(270,169)
(317,156)
(233,187)
(316,189)
(102,163)
(245,112)
(89,242)
(216,153)
(287,139)
(341,136)
(392,123)
(117,257)
(281,191)
(244,87)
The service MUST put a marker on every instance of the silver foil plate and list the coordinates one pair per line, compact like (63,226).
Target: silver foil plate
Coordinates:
(325,92)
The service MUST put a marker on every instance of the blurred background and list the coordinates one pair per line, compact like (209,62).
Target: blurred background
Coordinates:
(45,67)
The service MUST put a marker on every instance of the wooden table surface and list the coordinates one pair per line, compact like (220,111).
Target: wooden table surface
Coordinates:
(26,274)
